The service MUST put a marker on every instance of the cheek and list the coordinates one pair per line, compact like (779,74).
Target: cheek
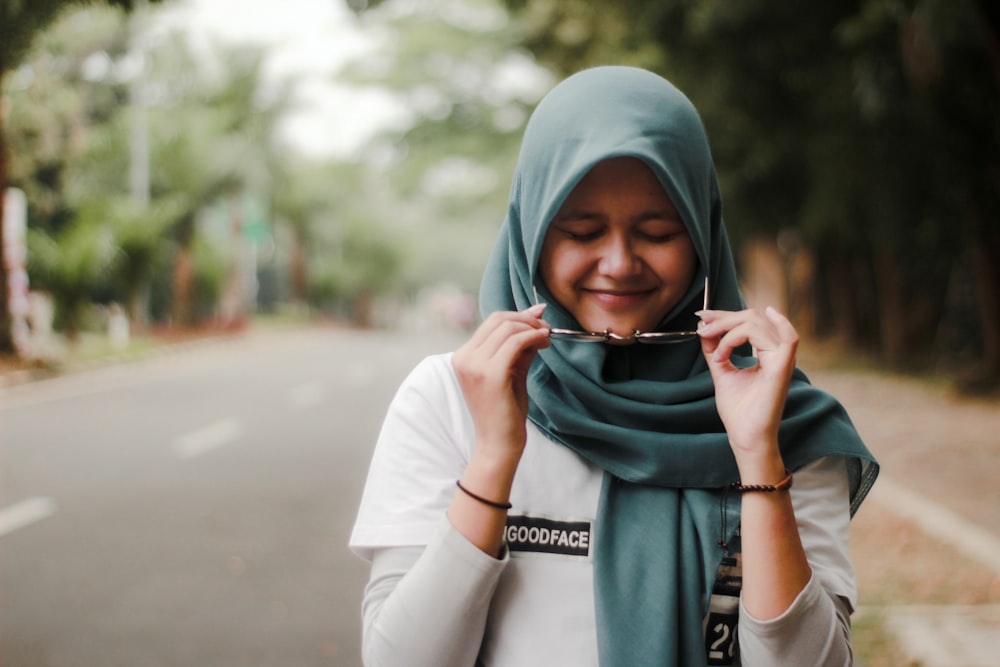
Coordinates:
(677,262)
(558,266)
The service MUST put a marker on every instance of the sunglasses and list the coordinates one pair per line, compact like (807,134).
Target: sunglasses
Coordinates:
(643,337)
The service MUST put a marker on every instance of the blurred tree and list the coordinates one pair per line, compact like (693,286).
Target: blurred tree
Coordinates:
(212,139)
(20,24)
(306,199)
(211,131)
(367,265)
(72,265)
(870,127)
(456,67)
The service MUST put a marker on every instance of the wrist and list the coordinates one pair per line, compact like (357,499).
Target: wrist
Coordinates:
(491,475)
(766,468)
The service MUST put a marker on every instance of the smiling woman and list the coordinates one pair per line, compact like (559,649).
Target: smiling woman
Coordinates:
(615,504)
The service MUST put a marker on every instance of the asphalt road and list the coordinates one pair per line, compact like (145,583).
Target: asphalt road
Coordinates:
(194,509)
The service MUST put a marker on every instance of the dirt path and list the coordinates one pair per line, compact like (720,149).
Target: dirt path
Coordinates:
(939,606)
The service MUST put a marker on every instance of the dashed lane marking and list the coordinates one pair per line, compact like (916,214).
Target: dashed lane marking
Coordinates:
(208,438)
(25,513)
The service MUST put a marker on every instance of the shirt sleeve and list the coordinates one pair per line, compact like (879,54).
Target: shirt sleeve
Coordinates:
(427,607)
(816,628)
(424,445)
(821,500)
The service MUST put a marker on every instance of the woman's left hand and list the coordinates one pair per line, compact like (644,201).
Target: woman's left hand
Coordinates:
(750,400)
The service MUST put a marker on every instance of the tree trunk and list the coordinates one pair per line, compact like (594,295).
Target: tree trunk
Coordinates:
(984,240)
(300,275)
(842,297)
(7,346)
(892,316)
(183,288)
(136,301)
(182,310)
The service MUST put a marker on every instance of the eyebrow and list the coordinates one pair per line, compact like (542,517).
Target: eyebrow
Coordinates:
(653,214)
(576,214)
(660,214)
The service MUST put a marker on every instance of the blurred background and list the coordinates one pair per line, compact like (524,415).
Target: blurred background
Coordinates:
(231,227)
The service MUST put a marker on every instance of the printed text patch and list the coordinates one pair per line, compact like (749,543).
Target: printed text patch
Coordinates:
(537,535)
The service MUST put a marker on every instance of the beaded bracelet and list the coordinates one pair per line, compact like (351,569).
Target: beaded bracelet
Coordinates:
(783,485)
(499,506)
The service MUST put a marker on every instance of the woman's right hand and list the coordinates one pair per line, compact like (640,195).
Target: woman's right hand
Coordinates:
(492,369)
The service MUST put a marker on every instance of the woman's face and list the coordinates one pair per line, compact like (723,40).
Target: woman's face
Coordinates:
(617,254)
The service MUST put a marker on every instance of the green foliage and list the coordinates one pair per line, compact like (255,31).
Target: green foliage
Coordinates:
(368,263)
(21,21)
(73,266)
(457,67)
(54,109)
(210,134)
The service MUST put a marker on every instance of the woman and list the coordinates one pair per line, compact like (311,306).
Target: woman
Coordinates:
(629,501)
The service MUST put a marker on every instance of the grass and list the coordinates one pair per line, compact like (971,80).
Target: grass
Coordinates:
(874,645)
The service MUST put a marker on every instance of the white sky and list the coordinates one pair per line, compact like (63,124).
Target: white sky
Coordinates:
(311,38)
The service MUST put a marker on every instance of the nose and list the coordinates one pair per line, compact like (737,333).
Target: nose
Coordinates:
(618,257)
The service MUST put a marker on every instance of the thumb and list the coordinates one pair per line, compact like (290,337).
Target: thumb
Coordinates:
(708,348)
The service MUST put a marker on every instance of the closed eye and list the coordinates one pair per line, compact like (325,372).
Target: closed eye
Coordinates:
(580,227)
(659,226)
(582,237)
(662,238)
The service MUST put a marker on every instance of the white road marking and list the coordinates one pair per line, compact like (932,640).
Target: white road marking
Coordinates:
(307,395)
(935,520)
(25,513)
(207,438)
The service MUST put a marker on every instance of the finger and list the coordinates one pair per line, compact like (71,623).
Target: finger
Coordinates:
(786,330)
(715,366)
(512,359)
(742,333)
(530,333)
(530,316)
(718,322)
(506,322)
(501,363)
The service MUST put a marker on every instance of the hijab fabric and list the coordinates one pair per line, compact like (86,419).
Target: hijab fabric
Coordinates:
(645,413)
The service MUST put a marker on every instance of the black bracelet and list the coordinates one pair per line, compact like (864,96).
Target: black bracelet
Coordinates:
(499,506)
(783,485)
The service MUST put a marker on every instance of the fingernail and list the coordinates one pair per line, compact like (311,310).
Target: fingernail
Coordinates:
(536,310)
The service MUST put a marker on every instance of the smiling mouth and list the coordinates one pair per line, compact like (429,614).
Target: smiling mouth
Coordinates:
(618,297)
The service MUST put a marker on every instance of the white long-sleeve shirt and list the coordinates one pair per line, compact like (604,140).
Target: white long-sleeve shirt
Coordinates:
(435,599)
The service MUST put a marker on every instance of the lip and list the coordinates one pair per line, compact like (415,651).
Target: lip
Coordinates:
(617,299)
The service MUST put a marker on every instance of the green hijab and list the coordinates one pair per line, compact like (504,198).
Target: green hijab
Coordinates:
(645,414)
